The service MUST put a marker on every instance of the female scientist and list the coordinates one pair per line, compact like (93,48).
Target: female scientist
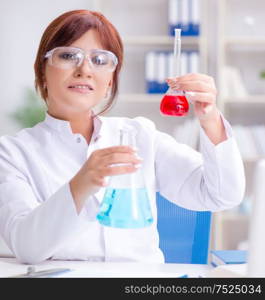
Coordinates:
(53,176)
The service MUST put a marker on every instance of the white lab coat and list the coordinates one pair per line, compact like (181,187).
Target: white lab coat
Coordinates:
(38,218)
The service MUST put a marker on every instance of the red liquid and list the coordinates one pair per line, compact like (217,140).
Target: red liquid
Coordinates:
(174,105)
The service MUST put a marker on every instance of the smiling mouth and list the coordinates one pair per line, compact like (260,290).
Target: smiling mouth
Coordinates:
(81,87)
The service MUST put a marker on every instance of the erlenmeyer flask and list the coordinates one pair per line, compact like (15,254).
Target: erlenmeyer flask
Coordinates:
(126,203)
(174,102)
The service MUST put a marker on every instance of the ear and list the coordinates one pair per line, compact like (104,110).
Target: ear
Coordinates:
(110,83)
(44,80)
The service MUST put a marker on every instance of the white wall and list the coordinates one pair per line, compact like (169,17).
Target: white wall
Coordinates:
(22,23)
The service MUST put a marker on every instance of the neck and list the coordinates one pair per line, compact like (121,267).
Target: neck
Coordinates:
(81,123)
(83,126)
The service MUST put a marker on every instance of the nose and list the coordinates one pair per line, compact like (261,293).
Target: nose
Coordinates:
(84,70)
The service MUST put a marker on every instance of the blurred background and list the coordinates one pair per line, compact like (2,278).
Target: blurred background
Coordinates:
(222,38)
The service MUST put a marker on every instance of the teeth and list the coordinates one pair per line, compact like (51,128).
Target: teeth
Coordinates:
(81,87)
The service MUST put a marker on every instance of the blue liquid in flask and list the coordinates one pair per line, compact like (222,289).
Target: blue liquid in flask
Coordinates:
(125,208)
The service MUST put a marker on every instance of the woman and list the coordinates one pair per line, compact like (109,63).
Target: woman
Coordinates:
(53,176)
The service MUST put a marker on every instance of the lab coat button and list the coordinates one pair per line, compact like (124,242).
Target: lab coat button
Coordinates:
(78,140)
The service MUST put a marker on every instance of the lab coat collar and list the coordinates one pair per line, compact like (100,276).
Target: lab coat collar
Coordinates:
(64,125)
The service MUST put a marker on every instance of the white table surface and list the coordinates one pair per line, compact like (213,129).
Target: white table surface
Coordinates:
(11,267)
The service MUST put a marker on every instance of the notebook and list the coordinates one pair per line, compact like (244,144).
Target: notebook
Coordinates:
(223,257)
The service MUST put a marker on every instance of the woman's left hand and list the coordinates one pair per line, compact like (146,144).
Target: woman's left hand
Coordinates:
(201,91)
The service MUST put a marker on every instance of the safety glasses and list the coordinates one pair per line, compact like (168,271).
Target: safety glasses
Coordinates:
(72,57)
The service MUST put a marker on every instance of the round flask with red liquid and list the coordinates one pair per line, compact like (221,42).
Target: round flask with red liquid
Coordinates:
(174,103)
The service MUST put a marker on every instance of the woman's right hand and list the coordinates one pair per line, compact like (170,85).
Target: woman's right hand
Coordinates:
(102,163)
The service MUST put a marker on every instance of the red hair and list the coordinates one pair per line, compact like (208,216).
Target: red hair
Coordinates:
(69,27)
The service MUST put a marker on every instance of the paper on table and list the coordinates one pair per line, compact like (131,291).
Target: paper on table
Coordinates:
(122,274)
(129,270)
(235,270)
(119,270)
(13,268)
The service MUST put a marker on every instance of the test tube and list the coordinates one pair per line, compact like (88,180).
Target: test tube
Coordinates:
(174,102)
(177,52)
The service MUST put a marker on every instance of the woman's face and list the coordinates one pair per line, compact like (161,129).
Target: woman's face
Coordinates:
(65,99)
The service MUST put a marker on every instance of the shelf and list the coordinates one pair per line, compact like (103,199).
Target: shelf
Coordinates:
(254,99)
(161,40)
(244,41)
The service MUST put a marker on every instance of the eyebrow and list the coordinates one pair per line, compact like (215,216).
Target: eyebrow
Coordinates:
(84,49)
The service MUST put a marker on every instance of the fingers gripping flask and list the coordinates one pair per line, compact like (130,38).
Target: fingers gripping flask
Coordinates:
(126,203)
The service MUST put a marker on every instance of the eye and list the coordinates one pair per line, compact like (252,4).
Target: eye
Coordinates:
(69,56)
(99,59)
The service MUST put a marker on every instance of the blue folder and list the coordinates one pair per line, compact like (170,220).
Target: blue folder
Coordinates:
(219,257)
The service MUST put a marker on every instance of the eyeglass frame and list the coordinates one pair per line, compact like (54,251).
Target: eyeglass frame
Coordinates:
(49,54)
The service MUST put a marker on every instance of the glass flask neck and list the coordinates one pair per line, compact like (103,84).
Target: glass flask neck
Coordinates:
(170,91)
(127,137)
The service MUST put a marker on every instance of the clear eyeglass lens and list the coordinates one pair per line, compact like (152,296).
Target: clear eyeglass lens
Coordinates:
(69,58)
(66,58)
(100,59)
(103,60)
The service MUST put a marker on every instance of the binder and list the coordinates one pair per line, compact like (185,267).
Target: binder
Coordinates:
(195,17)
(160,65)
(150,72)
(162,72)
(173,16)
(171,64)
(193,62)
(184,63)
(184,17)
(184,14)
(223,257)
